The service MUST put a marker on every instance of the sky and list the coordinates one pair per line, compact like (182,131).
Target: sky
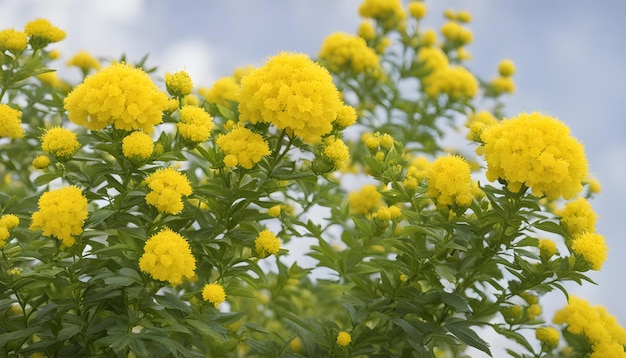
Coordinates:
(569,57)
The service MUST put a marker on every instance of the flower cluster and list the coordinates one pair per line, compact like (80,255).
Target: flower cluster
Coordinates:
(577,217)
(504,83)
(137,146)
(477,123)
(13,40)
(214,293)
(223,91)
(10,122)
(167,189)
(449,181)
(344,51)
(365,200)
(60,142)
(41,162)
(84,61)
(535,150)
(592,248)
(417,9)
(456,33)
(346,116)
(7,223)
(343,338)
(548,336)
(61,214)
(337,151)
(195,124)
(455,81)
(242,147)
(41,32)
(178,84)
(389,12)
(119,95)
(293,93)
(167,257)
(266,243)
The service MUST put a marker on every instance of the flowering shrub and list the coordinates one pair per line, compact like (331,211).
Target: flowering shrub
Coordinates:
(139,220)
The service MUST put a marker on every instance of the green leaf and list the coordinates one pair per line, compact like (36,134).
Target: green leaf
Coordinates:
(550,226)
(461,329)
(19,334)
(209,329)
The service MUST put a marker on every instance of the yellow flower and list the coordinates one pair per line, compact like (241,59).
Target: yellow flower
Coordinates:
(167,257)
(60,142)
(594,185)
(365,200)
(293,93)
(223,91)
(84,61)
(344,51)
(267,243)
(240,72)
(592,248)
(9,221)
(214,293)
(417,9)
(429,38)
(366,31)
(577,216)
(337,151)
(538,151)
(245,146)
(137,146)
(548,336)
(389,12)
(449,181)
(503,85)
(61,214)
(41,162)
(274,211)
(464,16)
(433,58)
(346,116)
(178,84)
(42,32)
(195,124)
(547,248)
(533,311)
(167,189)
(454,32)
(54,54)
(52,79)
(455,81)
(506,68)
(343,338)
(119,95)
(477,122)
(13,40)
(10,122)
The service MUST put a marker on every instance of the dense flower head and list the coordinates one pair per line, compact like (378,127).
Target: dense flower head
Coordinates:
(10,122)
(346,116)
(61,214)
(464,16)
(195,124)
(548,336)
(592,248)
(389,12)
(137,146)
(433,58)
(266,243)
(167,189)
(42,30)
(7,223)
(503,85)
(178,84)
(417,168)
(344,51)
(538,151)
(449,181)
(41,162)
(594,185)
(429,38)
(455,81)
(417,9)
(293,93)
(243,147)
(366,31)
(223,91)
(577,216)
(547,248)
(214,293)
(167,257)
(343,338)
(13,40)
(60,142)
(366,200)
(477,122)
(119,95)
(84,61)
(506,68)
(337,151)
(456,33)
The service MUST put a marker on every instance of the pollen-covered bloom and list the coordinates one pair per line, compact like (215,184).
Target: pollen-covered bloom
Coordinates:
(456,33)
(343,338)
(195,124)
(13,40)
(449,181)
(344,51)
(10,122)
(592,248)
(293,93)
(223,92)
(417,9)
(214,293)
(477,122)
(389,12)
(267,243)
(137,146)
(119,95)
(455,81)
(366,200)
(178,84)
(366,30)
(503,85)
(84,61)
(61,214)
(337,151)
(42,32)
(41,162)
(7,223)
(60,142)
(548,336)
(167,189)
(433,58)
(538,151)
(578,216)
(243,147)
(506,68)
(167,257)
(346,116)
(547,248)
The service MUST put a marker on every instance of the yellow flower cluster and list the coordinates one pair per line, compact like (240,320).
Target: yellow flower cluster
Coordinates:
(547,248)
(167,189)
(7,223)
(266,243)
(577,216)
(61,214)
(417,9)
(389,12)
(214,293)
(242,147)
(119,95)
(60,142)
(137,146)
(592,248)
(365,200)
(42,30)
(346,116)
(13,40)
(84,61)
(433,59)
(337,151)
(344,51)
(375,141)
(456,33)
(548,336)
(387,213)
(10,122)
(605,335)
(455,81)
(41,162)
(178,84)
(538,151)
(343,338)
(366,31)
(477,123)
(195,124)
(167,257)
(449,181)
(504,83)
(293,93)
(223,92)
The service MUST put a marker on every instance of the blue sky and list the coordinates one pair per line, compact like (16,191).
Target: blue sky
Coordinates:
(569,57)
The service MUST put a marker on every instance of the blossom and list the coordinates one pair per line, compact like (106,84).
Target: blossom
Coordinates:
(137,146)
(167,257)
(417,9)
(84,61)
(533,311)
(577,216)
(477,122)
(266,243)
(293,93)
(167,189)
(389,12)
(244,147)
(344,51)
(455,32)
(60,142)
(119,95)
(7,223)
(13,40)
(223,92)
(366,31)
(41,162)
(346,116)
(548,336)
(274,211)
(503,85)
(433,58)
(455,81)
(538,151)
(41,31)
(449,181)
(214,293)
(178,84)
(506,68)
(337,151)
(61,214)
(343,338)
(592,248)
(429,37)
(195,124)
(52,79)
(547,248)
(10,122)
(365,200)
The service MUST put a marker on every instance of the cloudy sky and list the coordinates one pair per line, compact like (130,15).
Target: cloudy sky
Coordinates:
(569,57)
